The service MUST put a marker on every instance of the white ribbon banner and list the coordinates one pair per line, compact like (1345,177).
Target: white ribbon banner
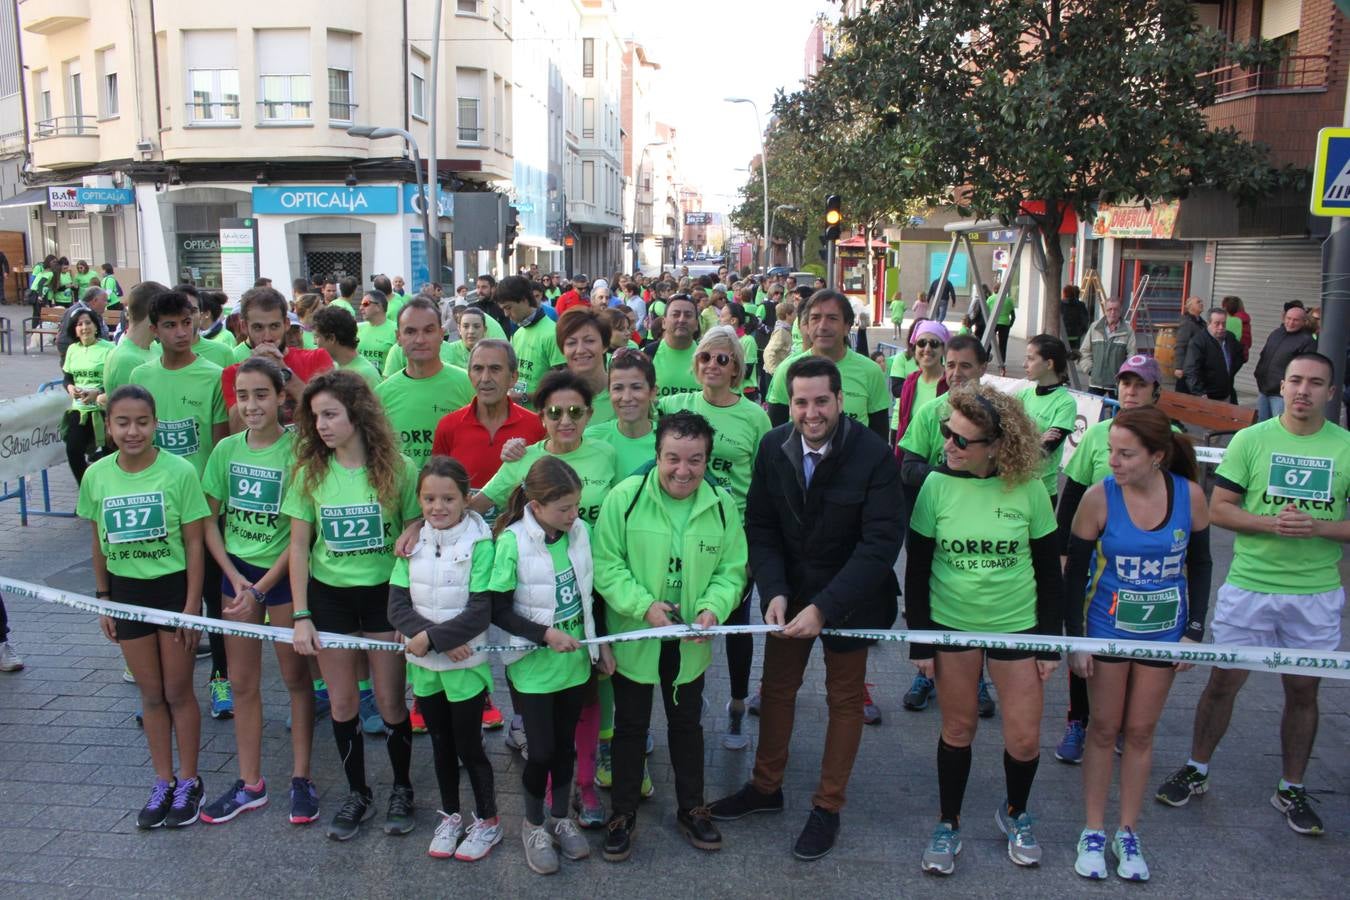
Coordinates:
(30,434)
(1320,663)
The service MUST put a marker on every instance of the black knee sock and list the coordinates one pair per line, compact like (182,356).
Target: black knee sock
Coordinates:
(351,748)
(398,741)
(1019,775)
(740,656)
(953,773)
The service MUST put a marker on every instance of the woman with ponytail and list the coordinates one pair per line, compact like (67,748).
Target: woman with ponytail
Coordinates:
(1049,404)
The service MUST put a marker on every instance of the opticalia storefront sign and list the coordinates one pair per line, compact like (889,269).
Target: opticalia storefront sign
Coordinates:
(325,200)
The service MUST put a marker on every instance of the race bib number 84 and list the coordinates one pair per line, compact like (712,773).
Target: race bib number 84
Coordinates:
(134,517)
(1300,477)
(347,529)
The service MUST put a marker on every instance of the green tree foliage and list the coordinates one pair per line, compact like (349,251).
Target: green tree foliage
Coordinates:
(992,103)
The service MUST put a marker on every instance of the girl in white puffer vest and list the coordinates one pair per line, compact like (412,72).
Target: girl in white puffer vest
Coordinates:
(439,602)
(541,583)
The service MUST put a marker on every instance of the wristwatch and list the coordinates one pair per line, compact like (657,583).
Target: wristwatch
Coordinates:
(258,595)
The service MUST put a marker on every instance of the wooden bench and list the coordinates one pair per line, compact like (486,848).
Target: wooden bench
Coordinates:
(1215,418)
(111,318)
(51,315)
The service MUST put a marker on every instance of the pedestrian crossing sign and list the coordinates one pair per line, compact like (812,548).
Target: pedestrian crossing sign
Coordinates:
(1331,173)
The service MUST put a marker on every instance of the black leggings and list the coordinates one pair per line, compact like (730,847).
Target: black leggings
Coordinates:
(456,736)
(211,601)
(4,621)
(1001,333)
(80,443)
(740,649)
(1078,700)
(550,729)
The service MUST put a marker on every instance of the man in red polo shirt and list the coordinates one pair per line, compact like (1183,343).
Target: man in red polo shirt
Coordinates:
(573,297)
(266,318)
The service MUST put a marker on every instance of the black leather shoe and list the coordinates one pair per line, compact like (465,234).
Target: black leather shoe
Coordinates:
(745,802)
(619,837)
(817,838)
(697,825)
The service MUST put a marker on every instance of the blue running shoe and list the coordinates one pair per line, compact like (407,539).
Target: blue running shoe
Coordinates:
(1070,749)
(371,720)
(985,699)
(236,800)
(222,699)
(304,801)
(921,691)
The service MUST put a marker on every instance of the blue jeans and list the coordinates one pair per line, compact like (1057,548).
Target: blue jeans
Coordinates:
(1268,407)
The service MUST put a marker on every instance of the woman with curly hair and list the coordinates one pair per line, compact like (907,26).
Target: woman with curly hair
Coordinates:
(984,557)
(352,493)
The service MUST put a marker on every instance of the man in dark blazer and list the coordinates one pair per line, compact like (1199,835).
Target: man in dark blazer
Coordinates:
(1212,358)
(824,522)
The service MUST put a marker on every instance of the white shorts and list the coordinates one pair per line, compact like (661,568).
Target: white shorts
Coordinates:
(1296,621)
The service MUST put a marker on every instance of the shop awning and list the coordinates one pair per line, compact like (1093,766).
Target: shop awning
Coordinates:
(539,243)
(31,197)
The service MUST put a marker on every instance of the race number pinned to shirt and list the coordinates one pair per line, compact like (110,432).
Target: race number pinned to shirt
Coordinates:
(347,529)
(255,488)
(134,517)
(1300,477)
(1145,612)
(180,437)
(568,597)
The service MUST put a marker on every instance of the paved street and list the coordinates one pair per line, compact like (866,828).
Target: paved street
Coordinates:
(74,767)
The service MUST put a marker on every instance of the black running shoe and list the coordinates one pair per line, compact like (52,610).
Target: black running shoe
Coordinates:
(188,797)
(156,809)
(355,809)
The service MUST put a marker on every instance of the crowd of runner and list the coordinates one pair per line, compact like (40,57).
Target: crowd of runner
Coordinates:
(607,469)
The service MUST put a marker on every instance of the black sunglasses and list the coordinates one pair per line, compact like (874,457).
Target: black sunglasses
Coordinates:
(930,344)
(572,412)
(961,441)
(721,359)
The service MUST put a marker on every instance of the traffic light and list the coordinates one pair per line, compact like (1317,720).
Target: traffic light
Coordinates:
(512,226)
(833,217)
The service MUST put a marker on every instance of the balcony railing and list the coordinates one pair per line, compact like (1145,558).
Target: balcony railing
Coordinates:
(66,126)
(1292,74)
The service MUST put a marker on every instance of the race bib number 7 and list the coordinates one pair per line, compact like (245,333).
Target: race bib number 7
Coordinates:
(179,436)
(347,529)
(134,517)
(1148,612)
(255,488)
(1300,477)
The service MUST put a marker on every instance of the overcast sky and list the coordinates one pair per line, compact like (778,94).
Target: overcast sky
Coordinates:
(711,49)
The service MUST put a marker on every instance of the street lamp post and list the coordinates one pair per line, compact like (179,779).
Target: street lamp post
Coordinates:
(763,162)
(637,181)
(788,206)
(431,239)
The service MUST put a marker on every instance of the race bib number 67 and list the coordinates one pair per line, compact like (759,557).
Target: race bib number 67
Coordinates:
(1300,477)
(347,529)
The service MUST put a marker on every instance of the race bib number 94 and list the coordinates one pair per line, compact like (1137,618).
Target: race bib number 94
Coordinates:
(134,517)
(1300,477)
(255,489)
(347,529)
(179,436)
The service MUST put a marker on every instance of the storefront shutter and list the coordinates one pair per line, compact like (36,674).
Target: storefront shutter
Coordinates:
(1266,275)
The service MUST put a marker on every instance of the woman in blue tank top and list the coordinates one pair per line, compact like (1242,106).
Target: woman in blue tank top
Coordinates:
(1139,563)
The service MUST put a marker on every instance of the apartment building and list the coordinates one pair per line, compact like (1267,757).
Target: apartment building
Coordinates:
(546,34)
(650,168)
(594,138)
(176,118)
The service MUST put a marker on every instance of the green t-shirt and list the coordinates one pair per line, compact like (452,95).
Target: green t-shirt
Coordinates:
(982,576)
(395,361)
(897,311)
(1091,462)
(1056,409)
(415,406)
(737,431)
(865,390)
(901,366)
(140,516)
(86,365)
(594,464)
(188,403)
(124,359)
(630,453)
(1275,468)
(84,280)
(602,409)
(366,369)
(226,337)
(354,533)
(1009,305)
(458,355)
(343,303)
(457,684)
(396,302)
(544,671)
(751,351)
(112,288)
(537,351)
(373,341)
(222,355)
(675,370)
(924,434)
(250,485)
(1234,327)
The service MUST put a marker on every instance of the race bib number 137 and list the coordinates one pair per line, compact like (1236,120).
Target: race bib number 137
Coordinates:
(134,517)
(1300,477)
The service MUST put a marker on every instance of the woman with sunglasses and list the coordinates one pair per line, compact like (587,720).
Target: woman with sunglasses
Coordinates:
(583,337)
(983,557)
(739,424)
(1049,403)
(928,339)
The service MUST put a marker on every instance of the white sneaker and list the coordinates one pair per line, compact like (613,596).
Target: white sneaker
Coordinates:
(1091,861)
(568,836)
(448,833)
(1131,856)
(515,738)
(481,838)
(9,658)
(539,853)
(127,676)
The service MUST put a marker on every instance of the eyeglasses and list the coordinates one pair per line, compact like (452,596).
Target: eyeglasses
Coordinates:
(960,440)
(575,413)
(928,344)
(722,359)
